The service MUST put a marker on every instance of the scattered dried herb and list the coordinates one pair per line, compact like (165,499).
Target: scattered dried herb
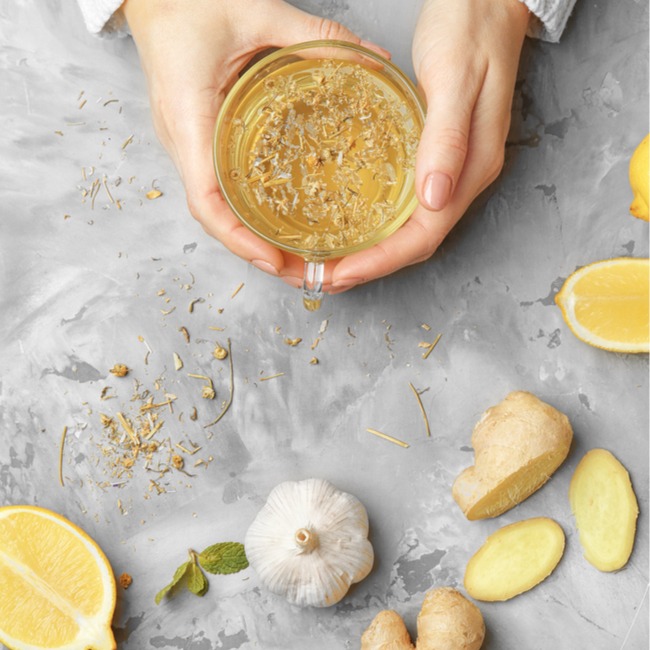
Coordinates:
(128,140)
(178,364)
(433,345)
(219,352)
(314,361)
(232,390)
(191,308)
(424,415)
(65,431)
(185,333)
(119,370)
(237,290)
(387,437)
(208,391)
(177,461)
(125,580)
(272,376)
(153,194)
(106,188)
(292,342)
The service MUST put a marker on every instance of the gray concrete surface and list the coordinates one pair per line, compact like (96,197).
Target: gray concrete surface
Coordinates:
(77,292)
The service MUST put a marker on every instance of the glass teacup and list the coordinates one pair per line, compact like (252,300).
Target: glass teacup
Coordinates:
(314,151)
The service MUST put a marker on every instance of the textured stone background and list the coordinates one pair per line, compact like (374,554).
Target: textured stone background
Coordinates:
(76,293)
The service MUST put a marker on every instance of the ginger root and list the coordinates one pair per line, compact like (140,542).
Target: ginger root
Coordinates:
(518,445)
(386,632)
(605,508)
(447,621)
(514,559)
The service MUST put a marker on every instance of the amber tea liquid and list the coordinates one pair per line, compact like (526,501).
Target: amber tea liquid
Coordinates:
(320,154)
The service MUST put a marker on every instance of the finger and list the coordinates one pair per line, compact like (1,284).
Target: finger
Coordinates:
(418,237)
(445,138)
(421,235)
(292,25)
(206,203)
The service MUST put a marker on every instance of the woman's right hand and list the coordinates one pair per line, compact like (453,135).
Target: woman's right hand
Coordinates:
(192,53)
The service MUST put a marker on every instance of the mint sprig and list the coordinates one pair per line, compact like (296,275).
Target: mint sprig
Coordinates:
(223,558)
(180,572)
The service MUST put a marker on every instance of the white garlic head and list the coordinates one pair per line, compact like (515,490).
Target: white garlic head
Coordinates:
(309,542)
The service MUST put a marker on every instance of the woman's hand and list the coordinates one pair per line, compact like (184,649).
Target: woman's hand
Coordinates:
(192,53)
(465,54)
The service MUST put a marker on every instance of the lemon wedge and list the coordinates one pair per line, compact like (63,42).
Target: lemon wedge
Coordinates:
(640,179)
(58,589)
(606,304)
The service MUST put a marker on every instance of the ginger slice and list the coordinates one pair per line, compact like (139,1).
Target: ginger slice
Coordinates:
(518,444)
(386,632)
(514,559)
(605,507)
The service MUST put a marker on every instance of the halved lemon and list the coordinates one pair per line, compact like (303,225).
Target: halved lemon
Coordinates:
(57,589)
(606,304)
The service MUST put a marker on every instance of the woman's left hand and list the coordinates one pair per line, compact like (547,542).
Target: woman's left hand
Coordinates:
(466,54)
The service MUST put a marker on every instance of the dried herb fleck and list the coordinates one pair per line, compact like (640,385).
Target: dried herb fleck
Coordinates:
(119,370)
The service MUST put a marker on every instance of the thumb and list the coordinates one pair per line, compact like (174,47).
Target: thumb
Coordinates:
(444,142)
(288,25)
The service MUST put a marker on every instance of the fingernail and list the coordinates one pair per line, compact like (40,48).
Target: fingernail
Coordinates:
(292,282)
(437,189)
(265,266)
(334,291)
(347,282)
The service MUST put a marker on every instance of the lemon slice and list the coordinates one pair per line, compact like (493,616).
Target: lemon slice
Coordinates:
(58,589)
(639,175)
(606,304)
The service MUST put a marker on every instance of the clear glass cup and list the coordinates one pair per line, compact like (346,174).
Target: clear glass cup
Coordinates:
(276,200)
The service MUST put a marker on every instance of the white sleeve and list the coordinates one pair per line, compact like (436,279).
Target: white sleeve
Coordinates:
(103,18)
(550,18)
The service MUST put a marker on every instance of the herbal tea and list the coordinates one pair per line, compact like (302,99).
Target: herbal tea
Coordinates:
(320,155)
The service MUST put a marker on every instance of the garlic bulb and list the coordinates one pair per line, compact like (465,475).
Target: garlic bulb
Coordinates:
(309,542)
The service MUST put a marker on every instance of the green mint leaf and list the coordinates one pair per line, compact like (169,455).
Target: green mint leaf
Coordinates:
(197,583)
(226,557)
(180,572)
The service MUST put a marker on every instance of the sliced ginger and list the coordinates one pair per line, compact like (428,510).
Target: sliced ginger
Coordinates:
(605,508)
(447,621)
(518,444)
(514,559)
